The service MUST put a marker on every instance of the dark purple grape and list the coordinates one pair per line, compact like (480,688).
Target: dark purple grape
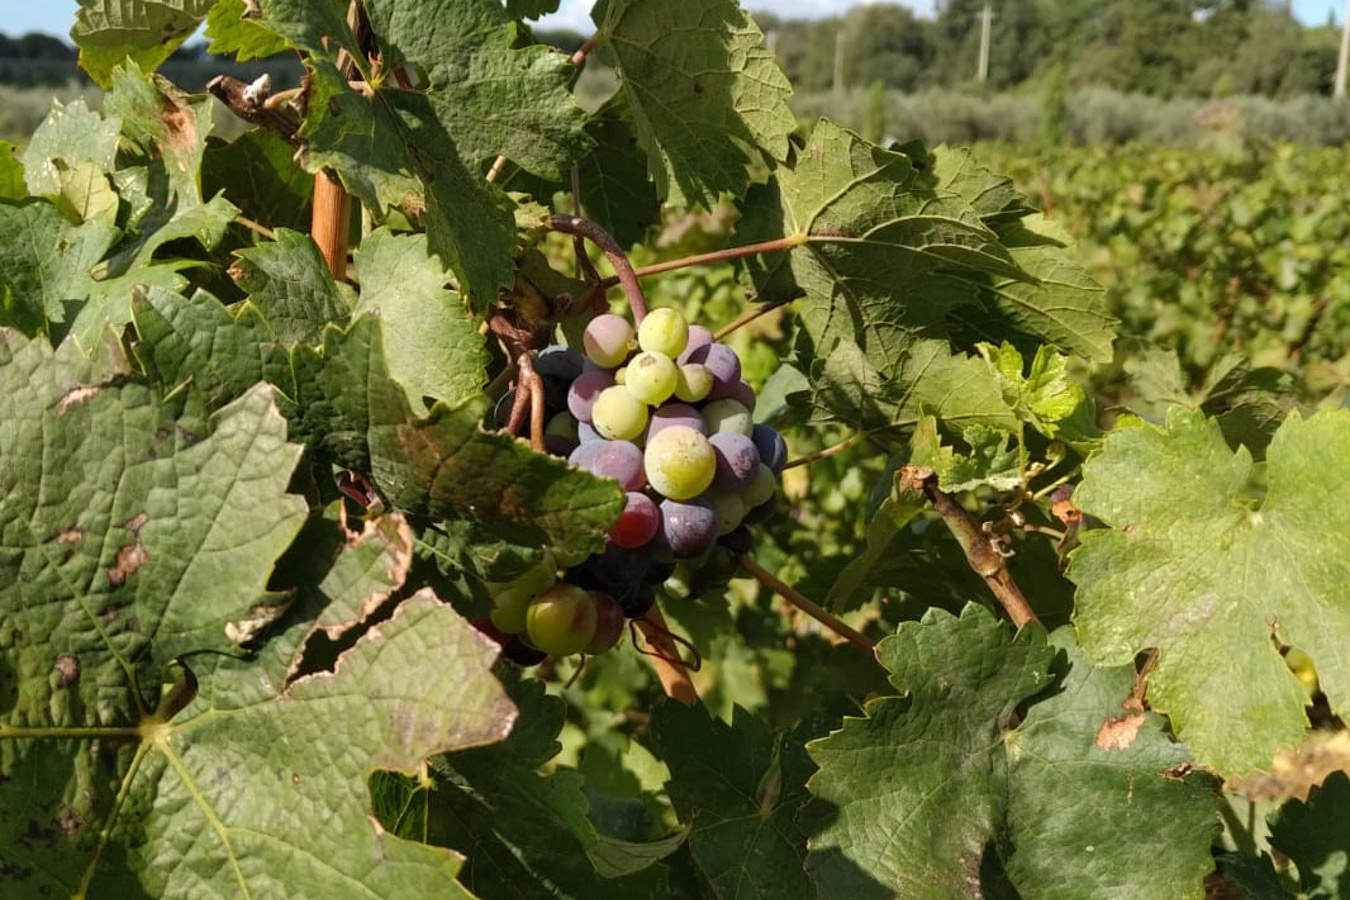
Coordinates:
(737,460)
(689,527)
(559,445)
(745,394)
(521,653)
(556,391)
(715,573)
(559,360)
(738,541)
(616,571)
(761,513)
(581,396)
(659,572)
(725,366)
(636,604)
(622,461)
(698,337)
(501,414)
(771,446)
(675,414)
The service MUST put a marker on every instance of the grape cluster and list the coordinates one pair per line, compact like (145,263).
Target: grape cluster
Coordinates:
(663,411)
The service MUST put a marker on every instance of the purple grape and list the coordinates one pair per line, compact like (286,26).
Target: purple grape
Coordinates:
(586,433)
(556,390)
(560,361)
(771,446)
(608,339)
(638,523)
(737,460)
(698,337)
(738,541)
(689,527)
(725,366)
(583,457)
(622,461)
(674,414)
(619,572)
(744,393)
(581,396)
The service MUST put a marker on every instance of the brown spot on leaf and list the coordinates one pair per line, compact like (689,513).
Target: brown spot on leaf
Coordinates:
(181,139)
(71,535)
(1119,732)
(74,397)
(70,821)
(129,561)
(136,522)
(1066,512)
(68,667)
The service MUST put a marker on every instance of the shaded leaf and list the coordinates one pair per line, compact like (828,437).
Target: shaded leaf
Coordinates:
(146,31)
(1314,836)
(257,172)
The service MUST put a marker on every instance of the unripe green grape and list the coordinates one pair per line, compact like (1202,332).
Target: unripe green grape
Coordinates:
(695,382)
(511,599)
(621,375)
(664,331)
(730,509)
(761,487)
(562,425)
(562,620)
(728,415)
(618,415)
(651,377)
(680,462)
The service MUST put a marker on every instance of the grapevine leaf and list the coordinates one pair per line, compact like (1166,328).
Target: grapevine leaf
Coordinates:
(257,172)
(615,190)
(1196,567)
(1242,876)
(931,785)
(233,30)
(443,466)
(46,264)
(991,195)
(1090,776)
(740,788)
(70,135)
(1043,397)
(702,87)
(530,9)
(1314,836)
(525,834)
(490,96)
(254,822)
(146,31)
(373,564)
(223,352)
(289,283)
(992,458)
(440,353)
(12,175)
(928,378)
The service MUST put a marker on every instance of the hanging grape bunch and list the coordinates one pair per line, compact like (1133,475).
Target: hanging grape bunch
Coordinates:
(663,411)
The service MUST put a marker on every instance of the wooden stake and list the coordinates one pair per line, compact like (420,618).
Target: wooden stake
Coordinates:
(674,678)
(331,221)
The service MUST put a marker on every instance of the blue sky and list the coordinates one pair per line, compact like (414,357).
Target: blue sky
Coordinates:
(56,16)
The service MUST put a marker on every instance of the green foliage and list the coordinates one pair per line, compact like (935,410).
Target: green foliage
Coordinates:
(249,511)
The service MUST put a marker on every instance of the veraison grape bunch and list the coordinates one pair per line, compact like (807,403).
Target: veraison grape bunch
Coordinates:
(663,411)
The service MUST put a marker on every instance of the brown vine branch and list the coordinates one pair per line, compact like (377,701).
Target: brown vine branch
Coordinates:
(981,551)
(532,385)
(617,258)
(747,317)
(673,675)
(797,599)
(846,444)
(784,243)
(579,58)
(249,103)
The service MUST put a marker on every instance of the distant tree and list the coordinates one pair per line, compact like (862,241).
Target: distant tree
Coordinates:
(43,46)
(1019,41)
(887,44)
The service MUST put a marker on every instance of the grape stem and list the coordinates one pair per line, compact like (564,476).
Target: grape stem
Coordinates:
(797,599)
(617,258)
(847,443)
(579,58)
(982,553)
(673,675)
(532,384)
(716,256)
